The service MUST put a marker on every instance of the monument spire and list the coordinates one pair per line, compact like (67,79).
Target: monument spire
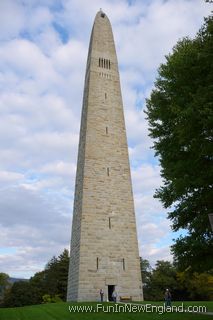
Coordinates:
(104,248)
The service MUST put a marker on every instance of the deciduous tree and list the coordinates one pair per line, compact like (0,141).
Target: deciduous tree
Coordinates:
(180,115)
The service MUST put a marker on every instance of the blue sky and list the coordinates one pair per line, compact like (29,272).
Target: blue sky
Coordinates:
(43,51)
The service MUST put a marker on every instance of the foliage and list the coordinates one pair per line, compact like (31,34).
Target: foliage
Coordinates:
(51,282)
(4,279)
(180,115)
(185,285)
(161,278)
(20,295)
(145,271)
(56,275)
(198,286)
(51,299)
(39,286)
(4,285)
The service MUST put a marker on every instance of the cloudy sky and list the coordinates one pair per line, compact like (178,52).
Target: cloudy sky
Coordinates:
(43,51)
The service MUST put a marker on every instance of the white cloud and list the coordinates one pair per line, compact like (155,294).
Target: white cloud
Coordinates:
(156,29)
(60,168)
(10,177)
(28,59)
(25,217)
(40,20)
(12,17)
(152,254)
(146,178)
(70,57)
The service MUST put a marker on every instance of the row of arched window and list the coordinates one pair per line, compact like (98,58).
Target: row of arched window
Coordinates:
(104,63)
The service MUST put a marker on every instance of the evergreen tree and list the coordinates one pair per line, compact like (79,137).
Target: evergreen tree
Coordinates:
(56,275)
(162,277)
(4,285)
(63,265)
(146,272)
(38,285)
(19,295)
(51,276)
(47,285)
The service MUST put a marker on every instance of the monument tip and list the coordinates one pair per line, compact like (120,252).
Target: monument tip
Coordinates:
(101,13)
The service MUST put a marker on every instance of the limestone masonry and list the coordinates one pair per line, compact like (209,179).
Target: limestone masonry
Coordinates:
(104,247)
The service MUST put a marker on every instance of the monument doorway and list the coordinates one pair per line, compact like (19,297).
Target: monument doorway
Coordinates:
(110,291)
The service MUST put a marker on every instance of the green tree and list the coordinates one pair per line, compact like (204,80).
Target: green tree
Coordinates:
(19,295)
(56,274)
(145,271)
(51,283)
(197,286)
(62,271)
(51,278)
(162,277)
(4,285)
(38,285)
(180,115)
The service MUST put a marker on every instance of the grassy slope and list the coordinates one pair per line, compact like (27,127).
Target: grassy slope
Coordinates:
(60,311)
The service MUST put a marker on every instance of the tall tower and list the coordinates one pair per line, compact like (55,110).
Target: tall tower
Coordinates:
(104,247)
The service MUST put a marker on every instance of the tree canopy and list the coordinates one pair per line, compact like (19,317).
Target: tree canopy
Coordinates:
(183,285)
(49,285)
(180,115)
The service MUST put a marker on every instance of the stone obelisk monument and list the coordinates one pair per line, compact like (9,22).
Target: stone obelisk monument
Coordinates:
(104,248)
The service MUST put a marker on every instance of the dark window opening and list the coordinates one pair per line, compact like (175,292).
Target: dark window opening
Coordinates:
(106,130)
(105,95)
(97,263)
(123,264)
(109,223)
(108,172)
(104,63)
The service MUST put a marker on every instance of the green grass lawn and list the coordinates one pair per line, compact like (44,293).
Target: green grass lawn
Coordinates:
(60,311)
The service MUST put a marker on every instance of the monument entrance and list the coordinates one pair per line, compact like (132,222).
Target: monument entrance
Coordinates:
(110,291)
